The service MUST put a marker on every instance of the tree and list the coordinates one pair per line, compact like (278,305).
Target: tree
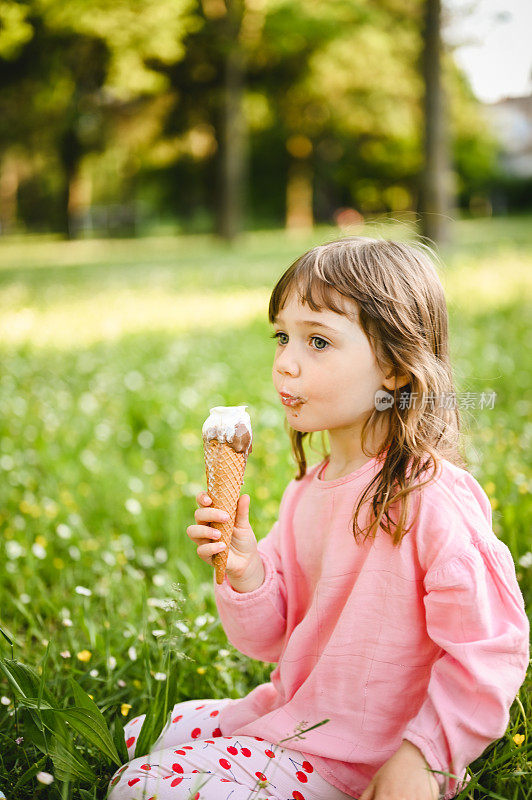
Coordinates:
(435,190)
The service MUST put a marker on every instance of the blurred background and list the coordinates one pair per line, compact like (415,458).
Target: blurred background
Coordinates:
(148,116)
(162,162)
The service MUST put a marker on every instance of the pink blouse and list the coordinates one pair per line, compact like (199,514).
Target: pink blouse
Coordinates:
(427,641)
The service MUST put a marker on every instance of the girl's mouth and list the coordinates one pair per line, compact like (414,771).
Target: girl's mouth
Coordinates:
(290,400)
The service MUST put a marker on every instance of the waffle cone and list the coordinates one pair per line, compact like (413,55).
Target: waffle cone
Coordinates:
(225,474)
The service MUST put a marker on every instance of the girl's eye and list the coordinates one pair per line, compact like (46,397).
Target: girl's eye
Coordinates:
(322,346)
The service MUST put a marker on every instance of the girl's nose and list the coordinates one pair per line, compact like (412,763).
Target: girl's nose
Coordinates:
(286,363)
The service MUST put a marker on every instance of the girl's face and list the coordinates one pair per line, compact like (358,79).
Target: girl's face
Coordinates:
(325,361)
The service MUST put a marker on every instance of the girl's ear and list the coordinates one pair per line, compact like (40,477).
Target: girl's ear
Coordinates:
(392,381)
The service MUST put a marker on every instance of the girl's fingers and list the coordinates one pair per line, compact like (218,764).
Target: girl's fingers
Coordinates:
(211,515)
(202,532)
(203,499)
(207,551)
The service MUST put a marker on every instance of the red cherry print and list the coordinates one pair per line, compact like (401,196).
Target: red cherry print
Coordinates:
(177,768)
(209,741)
(232,750)
(214,713)
(187,747)
(176,781)
(130,741)
(195,770)
(180,752)
(133,781)
(145,766)
(307,766)
(246,752)
(223,762)
(195,733)
(176,719)
(197,796)
(258,739)
(261,776)
(297,795)
(226,780)
(198,708)
(269,753)
(301,777)
(217,732)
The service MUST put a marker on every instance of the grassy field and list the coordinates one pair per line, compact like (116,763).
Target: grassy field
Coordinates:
(112,354)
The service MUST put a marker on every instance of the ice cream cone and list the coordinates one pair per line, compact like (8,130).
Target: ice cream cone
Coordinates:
(227,444)
(225,476)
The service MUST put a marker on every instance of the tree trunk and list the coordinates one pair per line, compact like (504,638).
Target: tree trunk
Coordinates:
(299,216)
(233,133)
(9,181)
(435,180)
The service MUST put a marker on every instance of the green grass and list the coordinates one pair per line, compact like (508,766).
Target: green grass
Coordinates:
(112,354)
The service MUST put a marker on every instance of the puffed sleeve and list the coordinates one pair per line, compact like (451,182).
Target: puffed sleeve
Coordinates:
(475,613)
(255,622)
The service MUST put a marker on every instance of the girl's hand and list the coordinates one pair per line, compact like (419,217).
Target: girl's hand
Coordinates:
(243,556)
(403,777)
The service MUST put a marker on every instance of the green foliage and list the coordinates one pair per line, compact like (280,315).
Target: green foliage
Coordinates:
(112,354)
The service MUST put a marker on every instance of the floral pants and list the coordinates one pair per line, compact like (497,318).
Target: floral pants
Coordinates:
(191,760)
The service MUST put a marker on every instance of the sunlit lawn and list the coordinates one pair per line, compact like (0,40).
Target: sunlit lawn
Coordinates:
(112,354)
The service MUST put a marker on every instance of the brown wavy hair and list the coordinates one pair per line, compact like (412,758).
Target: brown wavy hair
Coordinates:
(403,312)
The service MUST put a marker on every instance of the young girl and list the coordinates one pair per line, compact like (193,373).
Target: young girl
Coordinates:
(381,592)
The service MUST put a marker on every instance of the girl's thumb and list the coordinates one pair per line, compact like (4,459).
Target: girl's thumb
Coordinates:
(242,511)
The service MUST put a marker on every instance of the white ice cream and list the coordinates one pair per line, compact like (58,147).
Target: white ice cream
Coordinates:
(222,422)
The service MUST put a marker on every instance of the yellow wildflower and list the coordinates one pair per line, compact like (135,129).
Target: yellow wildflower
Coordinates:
(40,540)
(58,563)
(84,655)
(519,739)
(137,684)
(201,670)
(124,709)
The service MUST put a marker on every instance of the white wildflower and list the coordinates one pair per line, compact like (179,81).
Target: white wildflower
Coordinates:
(94,673)
(6,701)
(83,590)
(45,777)
(38,550)
(158,633)
(133,506)
(111,662)
(14,549)
(134,381)
(132,653)
(160,676)
(526,560)
(67,622)
(160,555)
(65,654)
(63,531)
(145,439)
(135,485)
(182,627)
